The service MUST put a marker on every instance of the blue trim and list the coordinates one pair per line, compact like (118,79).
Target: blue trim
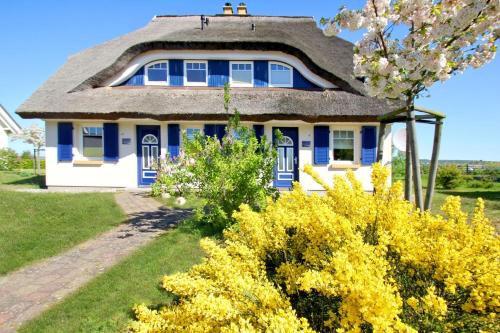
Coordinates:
(260,73)
(293,133)
(135,80)
(111,142)
(368,145)
(218,73)
(143,130)
(176,72)
(173,140)
(259,131)
(300,82)
(65,142)
(321,145)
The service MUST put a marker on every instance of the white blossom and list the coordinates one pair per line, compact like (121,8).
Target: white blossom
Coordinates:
(436,38)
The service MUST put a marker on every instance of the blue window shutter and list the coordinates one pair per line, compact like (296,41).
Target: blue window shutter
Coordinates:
(261,73)
(259,131)
(111,142)
(218,73)
(209,129)
(368,145)
(135,80)
(173,140)
(176,72)
(321,144)
(300,82)
(65,142)
(220,130)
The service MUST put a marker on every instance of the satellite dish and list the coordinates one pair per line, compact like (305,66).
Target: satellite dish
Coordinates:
(399,139)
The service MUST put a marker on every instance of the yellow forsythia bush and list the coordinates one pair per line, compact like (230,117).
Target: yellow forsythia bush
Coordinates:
(348,261)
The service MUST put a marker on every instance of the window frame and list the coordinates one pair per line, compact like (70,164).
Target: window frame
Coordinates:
(241,85)
(156,83)
(195,84)
(355,150)
(270,84)
(196,129)
(80,148)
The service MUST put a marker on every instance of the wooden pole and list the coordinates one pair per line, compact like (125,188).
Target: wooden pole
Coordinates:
(380,142)
(408,164)
(434,164)
(415,161)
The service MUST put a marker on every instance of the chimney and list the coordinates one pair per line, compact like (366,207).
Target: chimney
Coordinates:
(228,9)
(242,9)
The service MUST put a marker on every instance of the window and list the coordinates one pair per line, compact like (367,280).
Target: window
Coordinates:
(343,145)
(280,75)
(241,74)
(196,73)
(191,133)
(157,73)
(92,142)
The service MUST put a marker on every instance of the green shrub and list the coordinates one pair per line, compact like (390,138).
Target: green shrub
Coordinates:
(8,159)
(449,176)
(398,166)
(225,173)
(29,164)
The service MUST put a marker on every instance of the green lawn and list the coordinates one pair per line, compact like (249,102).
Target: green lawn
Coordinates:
(104,305)
(39,225)
(20,179)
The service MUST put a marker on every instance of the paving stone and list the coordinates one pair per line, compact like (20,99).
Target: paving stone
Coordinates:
(25,293)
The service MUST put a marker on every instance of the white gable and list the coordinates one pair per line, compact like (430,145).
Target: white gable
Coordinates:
(8,126)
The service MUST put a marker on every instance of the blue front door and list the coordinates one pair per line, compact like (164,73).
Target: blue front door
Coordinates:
(286,170)
(148,153)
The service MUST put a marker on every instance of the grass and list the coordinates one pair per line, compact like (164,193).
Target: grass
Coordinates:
(469,195)
(21,179)
(39,225)
(104,305)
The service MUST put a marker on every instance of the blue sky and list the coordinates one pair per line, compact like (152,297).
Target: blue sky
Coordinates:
(36,37)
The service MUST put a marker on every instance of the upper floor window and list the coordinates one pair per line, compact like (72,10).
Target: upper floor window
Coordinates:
(241,74)
(280,75)
(157,73)
(92,138)
(196,73)
(343,145)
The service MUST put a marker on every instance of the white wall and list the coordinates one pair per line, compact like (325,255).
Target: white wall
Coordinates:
(4,139)
(124,172)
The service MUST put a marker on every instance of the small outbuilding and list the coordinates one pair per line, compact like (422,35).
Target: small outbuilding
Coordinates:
(8,126)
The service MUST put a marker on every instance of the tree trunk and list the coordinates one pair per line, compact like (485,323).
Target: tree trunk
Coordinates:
(417,177)
(434,164)
(408,177)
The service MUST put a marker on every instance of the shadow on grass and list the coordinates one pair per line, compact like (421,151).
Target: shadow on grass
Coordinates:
(487,195)
(38,181)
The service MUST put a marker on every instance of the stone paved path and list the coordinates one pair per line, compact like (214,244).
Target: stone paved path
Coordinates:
(27,292)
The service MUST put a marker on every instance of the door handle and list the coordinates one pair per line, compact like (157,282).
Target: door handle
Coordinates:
(295,160)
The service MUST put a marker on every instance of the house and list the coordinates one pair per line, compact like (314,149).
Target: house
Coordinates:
(8,126)
(111,110)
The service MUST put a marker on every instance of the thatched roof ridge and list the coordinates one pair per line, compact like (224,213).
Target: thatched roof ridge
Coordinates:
(86,72)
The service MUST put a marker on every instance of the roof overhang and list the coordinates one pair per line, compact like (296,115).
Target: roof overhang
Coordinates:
(8,123)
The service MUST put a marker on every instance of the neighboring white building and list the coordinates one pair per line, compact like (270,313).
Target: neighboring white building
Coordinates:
(8,126)
(112,109)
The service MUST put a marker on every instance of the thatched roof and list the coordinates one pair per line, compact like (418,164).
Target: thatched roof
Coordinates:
(77,88)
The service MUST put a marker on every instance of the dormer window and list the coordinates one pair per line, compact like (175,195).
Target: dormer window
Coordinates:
(241,74)
(157,73)
(196,73)
(280,75)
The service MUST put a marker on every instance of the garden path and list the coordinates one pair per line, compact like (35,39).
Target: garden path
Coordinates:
(27,292)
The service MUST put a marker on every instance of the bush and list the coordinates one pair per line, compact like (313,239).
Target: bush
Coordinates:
(8,159)
(348,261)
(28,164)
(449,176)
(225,173)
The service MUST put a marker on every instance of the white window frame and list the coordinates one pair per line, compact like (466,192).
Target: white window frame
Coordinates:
(355,153)
(240,85)
(80,148)
(156,83)
(290,85)
(195,84)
